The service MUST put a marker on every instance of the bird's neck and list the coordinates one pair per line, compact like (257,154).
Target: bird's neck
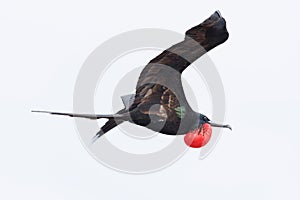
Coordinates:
(190,122)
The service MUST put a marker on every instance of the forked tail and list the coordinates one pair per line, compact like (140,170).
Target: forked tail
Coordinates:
(113,120)
(110,124)
(88,116)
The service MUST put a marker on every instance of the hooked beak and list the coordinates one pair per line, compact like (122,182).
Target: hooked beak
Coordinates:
(220,125)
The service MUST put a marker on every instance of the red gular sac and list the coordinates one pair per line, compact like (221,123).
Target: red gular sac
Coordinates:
(199,137)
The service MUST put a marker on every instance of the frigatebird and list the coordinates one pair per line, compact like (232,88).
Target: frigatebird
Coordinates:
(159,102)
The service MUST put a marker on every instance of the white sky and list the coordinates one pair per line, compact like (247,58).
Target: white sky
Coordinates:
(42,48)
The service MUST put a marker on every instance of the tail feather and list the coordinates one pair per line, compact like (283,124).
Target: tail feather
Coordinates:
(88,116)
(114,120)
(110,124)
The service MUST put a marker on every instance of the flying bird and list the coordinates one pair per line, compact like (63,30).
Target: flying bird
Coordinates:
(159,102)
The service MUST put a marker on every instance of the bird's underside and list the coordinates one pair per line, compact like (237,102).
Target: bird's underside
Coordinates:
(159,102)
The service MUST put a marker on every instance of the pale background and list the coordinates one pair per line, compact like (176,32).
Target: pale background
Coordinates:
(42,47)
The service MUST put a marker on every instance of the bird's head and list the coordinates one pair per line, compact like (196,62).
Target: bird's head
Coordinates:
(200,136)
(204,120)
(211,32)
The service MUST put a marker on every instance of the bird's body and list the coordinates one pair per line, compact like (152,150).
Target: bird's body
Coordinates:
(159,102)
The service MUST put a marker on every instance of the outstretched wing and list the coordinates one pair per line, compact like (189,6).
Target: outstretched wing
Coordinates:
(173,60)
(159,89)
(164,71)
(160,81)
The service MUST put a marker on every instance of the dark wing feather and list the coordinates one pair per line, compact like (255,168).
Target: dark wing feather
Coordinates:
(160,81)
(159,91)
(161,98)
(159,108)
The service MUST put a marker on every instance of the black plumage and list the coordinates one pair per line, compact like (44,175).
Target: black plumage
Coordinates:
(159,102)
